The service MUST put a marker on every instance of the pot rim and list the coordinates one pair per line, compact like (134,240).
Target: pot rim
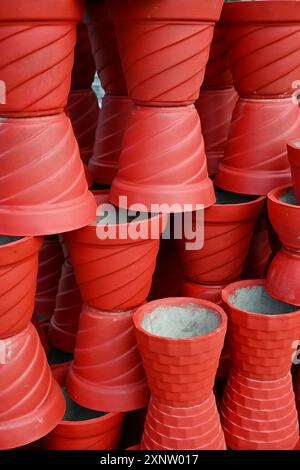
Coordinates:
(100,419)
(273,196)
(16,11)
(261,11)
(19,250)
(257,200)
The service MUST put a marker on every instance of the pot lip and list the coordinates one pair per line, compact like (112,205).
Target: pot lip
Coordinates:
(17,242)
(141,311)
(33,120)
(100,419)
(257,201)
(201,286)
(273,196)
(249,283)
(261,11)
(16,11)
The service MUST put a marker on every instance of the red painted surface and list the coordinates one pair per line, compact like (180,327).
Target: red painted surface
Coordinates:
(84,66)
(294,159)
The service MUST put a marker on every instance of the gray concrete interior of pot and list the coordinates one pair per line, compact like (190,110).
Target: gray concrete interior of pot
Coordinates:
(288,197)
(75,412)
(112,215)
(7,239)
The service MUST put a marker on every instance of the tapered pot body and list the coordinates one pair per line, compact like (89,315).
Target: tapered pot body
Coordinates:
(84,68)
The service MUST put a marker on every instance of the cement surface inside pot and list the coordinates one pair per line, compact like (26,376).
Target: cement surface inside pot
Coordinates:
(288,197)
(255,299)
(56,356)
(180,321)
(6,239)
(227,197)
(75,412)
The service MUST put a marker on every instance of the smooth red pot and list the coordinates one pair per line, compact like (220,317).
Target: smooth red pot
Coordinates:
(163,161)
(84,67)
(202,291)
(262,330)
(31,403)
(36,55)
(83,110)
(180,367)
(43,188)
(164,47)
(18,274)
(294,159)
(255,154)
(107,372)
(112,123)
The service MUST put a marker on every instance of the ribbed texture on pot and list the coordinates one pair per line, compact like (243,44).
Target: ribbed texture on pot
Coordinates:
(64,323)
(43,187)
(18,277)
(259,415)
(107,372)
(83,61)
(294,159)
(83,110)
(163,160)
(255,154)
(31,403)
(112,123)
(197,427)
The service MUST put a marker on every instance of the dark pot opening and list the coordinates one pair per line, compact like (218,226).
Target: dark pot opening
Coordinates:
(118,216)
(75,412)
(288,197)
(7,239)
(56,356)
(226,197)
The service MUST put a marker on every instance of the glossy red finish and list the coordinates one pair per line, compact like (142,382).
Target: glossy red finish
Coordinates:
(294,159)
(84,67)
(34,154)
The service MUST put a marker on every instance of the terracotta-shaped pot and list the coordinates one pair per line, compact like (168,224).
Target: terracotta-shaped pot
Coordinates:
(180,340)
(294,159)
(283,273)
(164,47)
(262,330)
(105,48)
(228,229)
(50,264)
(202,291)
(114,269)
(107,372)
(163,160)
(255,154)
(83,110)
(84,68)
(31,402)
(112,123)
(64,323)
(43,188)
(18,274)
(37,53)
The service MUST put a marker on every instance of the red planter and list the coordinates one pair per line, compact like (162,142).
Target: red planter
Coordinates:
(262,330)
(83,110)
(83,61)
(215,108)
(201,291)
(18,274)
(163,160)
(294,159)
(180,357)
(107,372)
(255,154)
(43,189)
(284,271)
(64,323)
(164,48)
(31,403)
(228,230)
(112,123)
(36,55)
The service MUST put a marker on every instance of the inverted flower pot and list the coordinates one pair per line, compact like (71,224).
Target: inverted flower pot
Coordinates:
(255,154)
(83,110)
(283,273)
(64,322)
(228,230)
(164,47)
(18,274)
(107,372)
(294,159)
(215,108)
(31,403)
(163,161)
(262,330)
(113,268)
(180,340)
(112,123)
(43,187)
(84,68)
(37,53)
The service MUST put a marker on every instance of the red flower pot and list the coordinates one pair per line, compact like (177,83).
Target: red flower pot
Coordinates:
(163,160)
(259,415)
(262,330)
(114,269)
(201,291)
(18,274)
(112,123)
(180,340)
(228,230)
(215,108)
(83,110)
(60,372)
(107,372)
(105,48)
(284,271)
(31,403)
(50,264)
(43,187)
(36,55)
(164,47)
(83,61)
(197,427)
(64,323)
(255,154)
(294,159)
